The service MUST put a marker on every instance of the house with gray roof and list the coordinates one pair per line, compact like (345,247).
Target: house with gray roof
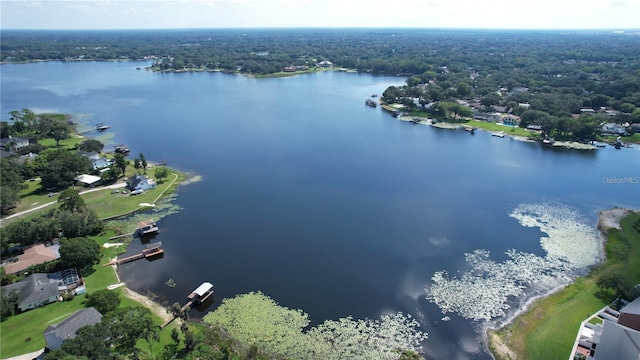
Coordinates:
(34,291)
(14,144)
(56,334)
(140,182)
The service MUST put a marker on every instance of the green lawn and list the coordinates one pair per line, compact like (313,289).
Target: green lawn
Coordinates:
(68,144)
(547,331)
(635,138)
(106,204)
(510,130)
(17,329)
(34,195)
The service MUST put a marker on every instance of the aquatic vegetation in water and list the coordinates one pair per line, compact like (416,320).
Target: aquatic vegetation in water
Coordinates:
(164,207)
(489,289)
(170,283)
(567,234)
(192,180)
(483,292)
(256,319)
(439,241)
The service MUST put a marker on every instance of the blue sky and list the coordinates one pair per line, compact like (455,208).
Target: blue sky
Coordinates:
(500,14)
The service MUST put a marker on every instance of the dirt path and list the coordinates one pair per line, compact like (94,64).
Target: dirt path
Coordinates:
(114,186)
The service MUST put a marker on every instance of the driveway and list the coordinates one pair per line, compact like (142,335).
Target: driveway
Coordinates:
(114,186)
(30,356)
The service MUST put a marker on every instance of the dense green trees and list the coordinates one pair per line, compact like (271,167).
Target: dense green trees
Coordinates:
(11,182)
(103,300)
(8,302)
(161,173)
(143,162)
(78,223)
(58,168)
(58,131)
(91,145)
(120,162)
(79,252)
(70,200)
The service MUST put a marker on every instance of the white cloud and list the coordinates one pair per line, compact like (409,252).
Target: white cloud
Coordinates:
(327,13)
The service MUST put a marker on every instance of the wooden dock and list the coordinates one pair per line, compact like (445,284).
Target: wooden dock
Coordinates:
(184,308)
(99,128)
(150,251)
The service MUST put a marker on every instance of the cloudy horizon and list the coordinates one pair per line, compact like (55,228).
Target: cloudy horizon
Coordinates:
(185,14)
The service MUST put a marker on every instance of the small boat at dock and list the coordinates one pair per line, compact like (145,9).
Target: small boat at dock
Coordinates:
(498,134)
(103,127)
(371,103)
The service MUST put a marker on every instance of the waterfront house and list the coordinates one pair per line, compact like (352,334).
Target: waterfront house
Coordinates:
(88,180)
(510,120)
(487,117)
(56,334)
(14,144)
(325,64)
(35,255)
(140,182)
(100,163)
(33,292)
(613,129)
(38,289)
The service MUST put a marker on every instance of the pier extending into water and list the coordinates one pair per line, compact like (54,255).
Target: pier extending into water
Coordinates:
(150,251)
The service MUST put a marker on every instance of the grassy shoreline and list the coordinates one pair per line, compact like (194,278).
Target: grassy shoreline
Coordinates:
(547,329)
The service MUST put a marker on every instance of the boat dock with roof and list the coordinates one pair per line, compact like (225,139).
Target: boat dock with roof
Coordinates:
(201,294)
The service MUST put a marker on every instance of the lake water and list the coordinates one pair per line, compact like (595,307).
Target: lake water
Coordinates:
(315,199)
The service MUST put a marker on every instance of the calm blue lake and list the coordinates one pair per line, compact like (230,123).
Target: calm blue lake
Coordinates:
(315,199)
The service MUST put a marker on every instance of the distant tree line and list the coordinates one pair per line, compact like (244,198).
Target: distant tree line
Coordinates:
(558,73)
